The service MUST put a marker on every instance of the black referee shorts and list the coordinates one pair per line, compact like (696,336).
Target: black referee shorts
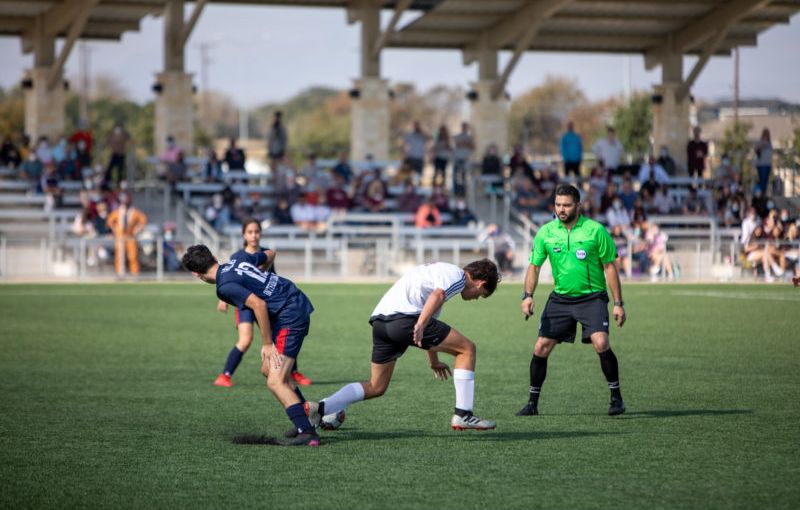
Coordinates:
(562,314)
(391,337)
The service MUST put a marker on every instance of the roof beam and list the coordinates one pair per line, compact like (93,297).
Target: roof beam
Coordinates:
(711,48)
(518,23)
(386,35)
(188,26)
(76,25)
(701,30)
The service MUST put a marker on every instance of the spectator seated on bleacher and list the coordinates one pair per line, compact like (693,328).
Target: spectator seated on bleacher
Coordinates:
(255,208)
(618,234)
(527,197)
(652,171)
(491,163)
(336,195)
(428,215)
(790,247)
(462,216)
(10,155)
(409,201)
(617,215)
(308,214)
(281,213)
(32,169)
(49,186)
(502,246)
(663,202)
(234,156)
(373,192)
(218,214)
(212,169)
(666,162)
(343,168)
(628,195)
(723,174)
(608,197)
(639,214)
(547,180)
(598,182)
(590,204)
(440,198)
(694,205)
(172,249)
(660,260)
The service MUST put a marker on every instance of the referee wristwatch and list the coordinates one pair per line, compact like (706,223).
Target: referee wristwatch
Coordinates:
(619,303)
(526,295)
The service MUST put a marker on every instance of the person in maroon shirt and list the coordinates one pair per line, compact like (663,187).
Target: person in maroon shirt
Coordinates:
(696,153)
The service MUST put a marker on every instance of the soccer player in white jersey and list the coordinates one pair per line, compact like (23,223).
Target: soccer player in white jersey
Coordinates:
(407,316)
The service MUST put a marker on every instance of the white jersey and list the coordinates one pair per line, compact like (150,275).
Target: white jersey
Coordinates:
(408,295)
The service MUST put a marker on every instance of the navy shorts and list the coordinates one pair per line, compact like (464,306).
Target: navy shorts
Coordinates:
(391,337)
(288,339)
(562,314)
(244,315)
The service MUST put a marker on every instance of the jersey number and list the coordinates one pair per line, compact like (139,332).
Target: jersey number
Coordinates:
(246,268)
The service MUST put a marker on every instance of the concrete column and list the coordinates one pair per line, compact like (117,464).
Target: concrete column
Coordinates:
(173,25)
(489,118)
(44,108)
(369,117)
(174,111)
(670,116)
(369,131)
(370,32)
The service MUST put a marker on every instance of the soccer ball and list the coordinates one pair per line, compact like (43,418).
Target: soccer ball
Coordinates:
(332,421)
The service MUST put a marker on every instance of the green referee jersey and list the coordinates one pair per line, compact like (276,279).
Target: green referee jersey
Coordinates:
(576,256)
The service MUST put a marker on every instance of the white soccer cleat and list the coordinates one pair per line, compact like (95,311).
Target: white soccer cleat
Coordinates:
(471,422)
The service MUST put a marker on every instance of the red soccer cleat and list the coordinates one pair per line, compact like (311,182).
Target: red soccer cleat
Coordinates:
(223,380)
(300,379)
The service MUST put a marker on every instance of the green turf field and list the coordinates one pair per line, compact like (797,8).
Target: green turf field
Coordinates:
(107,401)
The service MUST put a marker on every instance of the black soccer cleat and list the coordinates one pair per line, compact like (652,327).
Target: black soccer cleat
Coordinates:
(530,409)
(304,439)
(617,406)
(291,433)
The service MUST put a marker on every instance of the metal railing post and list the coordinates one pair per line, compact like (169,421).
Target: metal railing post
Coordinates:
(159,258)
(307,261)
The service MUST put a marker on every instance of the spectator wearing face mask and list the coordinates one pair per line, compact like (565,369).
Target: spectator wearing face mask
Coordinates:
(618,215)
(724,174)
(462,216)
(666,161)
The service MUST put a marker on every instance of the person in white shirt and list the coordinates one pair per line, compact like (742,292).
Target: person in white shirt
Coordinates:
(651,166)
(609,150)
(406,317)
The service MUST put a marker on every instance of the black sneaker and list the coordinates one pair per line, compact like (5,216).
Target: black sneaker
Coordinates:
(291,433)
(304,439)
(617,406)
(530,409)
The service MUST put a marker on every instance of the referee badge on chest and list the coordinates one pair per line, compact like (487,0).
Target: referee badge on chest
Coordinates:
(581,254)
(556,249)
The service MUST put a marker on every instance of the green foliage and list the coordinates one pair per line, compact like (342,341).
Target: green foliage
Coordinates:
(634,123)
(736,145)
(108,403)
(538,117)
(12,112)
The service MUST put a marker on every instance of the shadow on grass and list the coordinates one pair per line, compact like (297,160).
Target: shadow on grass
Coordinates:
(254,439)
(483,435)
(677,413)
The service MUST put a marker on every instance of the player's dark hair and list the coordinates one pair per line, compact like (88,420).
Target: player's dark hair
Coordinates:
(246,223)
(198,259)
(570,190)
(484,270)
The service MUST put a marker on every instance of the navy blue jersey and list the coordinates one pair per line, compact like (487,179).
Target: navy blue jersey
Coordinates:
(243,254)
(240,277)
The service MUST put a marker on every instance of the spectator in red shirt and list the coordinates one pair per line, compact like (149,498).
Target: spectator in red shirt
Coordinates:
(428,215)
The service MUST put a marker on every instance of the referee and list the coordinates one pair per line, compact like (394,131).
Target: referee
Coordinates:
(582,256)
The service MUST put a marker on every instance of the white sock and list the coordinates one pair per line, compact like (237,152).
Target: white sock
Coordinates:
(339,401)
(464,381)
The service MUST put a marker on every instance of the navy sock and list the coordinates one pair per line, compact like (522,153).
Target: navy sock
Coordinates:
(295,367)
(538,371)
(608,362)
(234,358)
(298,416)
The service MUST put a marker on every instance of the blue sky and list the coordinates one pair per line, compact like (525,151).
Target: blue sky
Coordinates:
(262,54)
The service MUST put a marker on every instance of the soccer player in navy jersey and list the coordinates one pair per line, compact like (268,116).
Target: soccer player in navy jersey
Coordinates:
(283,314)
(251,233)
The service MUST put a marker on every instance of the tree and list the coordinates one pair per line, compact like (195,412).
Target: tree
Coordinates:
(12,112)
(634,122)
(736,145)
(538,116)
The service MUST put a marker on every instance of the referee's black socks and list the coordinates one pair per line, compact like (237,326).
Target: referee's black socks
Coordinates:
(608,362)
(538,373)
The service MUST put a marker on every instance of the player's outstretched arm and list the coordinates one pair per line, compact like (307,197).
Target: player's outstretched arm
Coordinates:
(432,305)
(612,279)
